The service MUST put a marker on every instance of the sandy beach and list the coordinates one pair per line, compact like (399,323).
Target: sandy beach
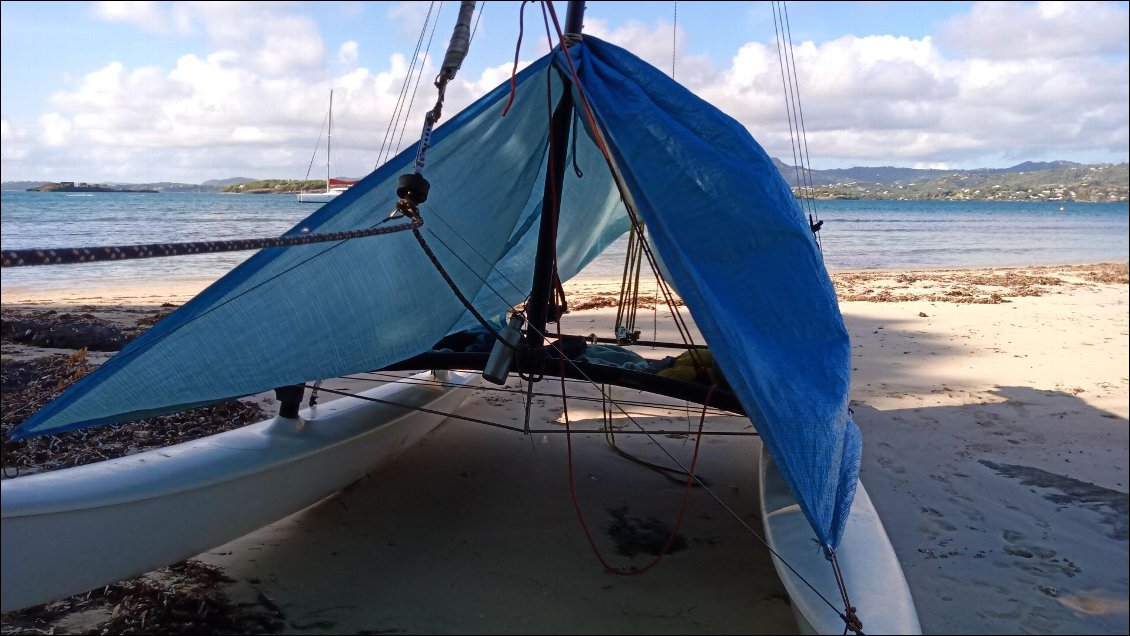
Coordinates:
(994,407)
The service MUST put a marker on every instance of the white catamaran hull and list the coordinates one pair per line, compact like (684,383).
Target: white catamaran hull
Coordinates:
(872,574)
(319,197)
(68,531)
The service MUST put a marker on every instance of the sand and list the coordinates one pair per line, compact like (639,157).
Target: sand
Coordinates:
(994,406)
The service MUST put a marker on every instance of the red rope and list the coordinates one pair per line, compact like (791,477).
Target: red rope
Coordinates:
(517,51)
(573,489)
(684,331)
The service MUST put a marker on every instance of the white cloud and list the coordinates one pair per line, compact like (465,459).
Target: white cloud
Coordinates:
(347,53)
(410,16)
(253,105)
(56,129)
(147,15)
(653,44)
(1014,30)
(15,145)
(888,99)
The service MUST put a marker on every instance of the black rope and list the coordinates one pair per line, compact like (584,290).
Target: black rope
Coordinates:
(454,288)
(388,377)
(71,255)
(509,427)
(576,168)
(849,616)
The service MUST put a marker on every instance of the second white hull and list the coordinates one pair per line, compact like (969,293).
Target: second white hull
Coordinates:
(317,197)
(872,573)
(68,531)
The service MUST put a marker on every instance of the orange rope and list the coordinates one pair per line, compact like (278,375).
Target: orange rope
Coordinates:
(573,489)
(517,51)
(668,296)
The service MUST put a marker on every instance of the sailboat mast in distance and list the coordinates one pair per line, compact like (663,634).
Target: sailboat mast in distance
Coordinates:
(329,140)
(334,187)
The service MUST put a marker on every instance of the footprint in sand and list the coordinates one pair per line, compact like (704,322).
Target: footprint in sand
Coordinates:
(1037,559)
(890,465)
(935,521)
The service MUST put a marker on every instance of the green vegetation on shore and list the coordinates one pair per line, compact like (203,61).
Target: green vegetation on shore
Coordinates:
(70,186)
(1028,181)
(276,186)
(1064,182)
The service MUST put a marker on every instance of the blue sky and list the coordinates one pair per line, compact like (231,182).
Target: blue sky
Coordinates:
(173,91)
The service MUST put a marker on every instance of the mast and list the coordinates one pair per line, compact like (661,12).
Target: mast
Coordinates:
(545,262)
(329,139)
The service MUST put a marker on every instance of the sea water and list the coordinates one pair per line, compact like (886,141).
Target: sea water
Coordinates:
(855,235)
(933,234)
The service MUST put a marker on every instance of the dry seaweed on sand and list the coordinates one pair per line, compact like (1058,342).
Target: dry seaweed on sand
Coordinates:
(988,286)
(184,598)
(26,386)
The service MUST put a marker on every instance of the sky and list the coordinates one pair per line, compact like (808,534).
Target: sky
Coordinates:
(137,92)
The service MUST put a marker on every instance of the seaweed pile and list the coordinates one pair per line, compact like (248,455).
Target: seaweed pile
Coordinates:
(27,385)
(184,598)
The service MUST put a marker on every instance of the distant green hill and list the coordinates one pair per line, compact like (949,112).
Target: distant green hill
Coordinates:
(276,186)
(71,186)
(21,186)
(1028,181)
(167,186)
(1047,181)
(223,183)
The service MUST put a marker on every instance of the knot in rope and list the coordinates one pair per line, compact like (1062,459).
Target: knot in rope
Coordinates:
(852,622)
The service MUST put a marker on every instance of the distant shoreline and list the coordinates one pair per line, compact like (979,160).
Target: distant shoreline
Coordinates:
(69,186)
(814,198)
(1061,181)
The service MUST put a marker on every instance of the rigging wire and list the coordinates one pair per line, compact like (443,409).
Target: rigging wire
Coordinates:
(706,488)
(395,117)
(379,376)
(686,491)
(75,255)
(419,76)
(636,222)
(317,144)
(668,295)
(482,7)
(610,438)
(511,427)
(800,117)
(492,266)
(632,215)
(782,59)
(674,38)
(798,139)
(122,355)
(628,304)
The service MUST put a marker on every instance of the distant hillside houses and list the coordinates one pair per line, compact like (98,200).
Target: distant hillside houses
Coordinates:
(1072,182)
(1028,181)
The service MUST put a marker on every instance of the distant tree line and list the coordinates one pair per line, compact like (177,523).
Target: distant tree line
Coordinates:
(1074,182)
(277,186)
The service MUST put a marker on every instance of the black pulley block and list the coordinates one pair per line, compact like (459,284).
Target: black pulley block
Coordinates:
(413,187)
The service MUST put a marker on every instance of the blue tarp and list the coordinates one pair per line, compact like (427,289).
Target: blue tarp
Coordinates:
(731,238)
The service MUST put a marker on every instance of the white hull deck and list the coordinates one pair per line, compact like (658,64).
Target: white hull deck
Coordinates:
(316,197)
(320,197)
(872,574)
(68,531)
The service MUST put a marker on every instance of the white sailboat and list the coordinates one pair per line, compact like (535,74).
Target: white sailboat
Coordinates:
(334,186)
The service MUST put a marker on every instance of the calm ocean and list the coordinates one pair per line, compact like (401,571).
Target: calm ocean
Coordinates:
(856,235)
